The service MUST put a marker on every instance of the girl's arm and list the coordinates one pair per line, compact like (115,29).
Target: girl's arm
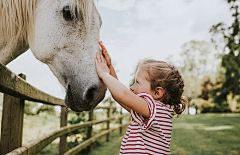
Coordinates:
(113,73)
(120,92)
(112,70)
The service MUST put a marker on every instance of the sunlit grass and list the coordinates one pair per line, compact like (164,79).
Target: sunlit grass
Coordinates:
(203,134)
(206,134)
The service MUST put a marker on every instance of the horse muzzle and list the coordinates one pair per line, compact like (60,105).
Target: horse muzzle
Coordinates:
(84,98)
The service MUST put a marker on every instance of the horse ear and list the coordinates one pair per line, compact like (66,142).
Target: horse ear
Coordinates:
(158,93)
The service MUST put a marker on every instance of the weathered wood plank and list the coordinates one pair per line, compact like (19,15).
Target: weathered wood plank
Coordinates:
(13,85)
(12,123)
(86,143)
(106,107)
(120,121)
(63,138)
(108,124)
(37,145)
(89,131)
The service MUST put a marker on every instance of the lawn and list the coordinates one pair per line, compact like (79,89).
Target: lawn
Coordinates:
(203,134)
(206,134)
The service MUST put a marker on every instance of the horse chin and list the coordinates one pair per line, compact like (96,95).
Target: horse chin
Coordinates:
(81,106)
(76,103)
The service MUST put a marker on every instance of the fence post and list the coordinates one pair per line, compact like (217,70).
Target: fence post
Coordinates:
(89,132)
(108,123)
(12,122)
(63,139)
(120,121)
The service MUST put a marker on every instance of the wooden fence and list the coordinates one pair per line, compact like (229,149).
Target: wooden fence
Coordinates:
(16,90)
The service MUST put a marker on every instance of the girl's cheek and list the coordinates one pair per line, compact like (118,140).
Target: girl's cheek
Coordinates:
(136,89)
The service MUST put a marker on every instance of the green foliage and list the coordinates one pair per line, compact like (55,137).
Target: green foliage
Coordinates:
(230,56)
(206,106)
(78,136)
(33,108)
(30,108)
(206,88)
(111,102)
(198,59)
(49,109)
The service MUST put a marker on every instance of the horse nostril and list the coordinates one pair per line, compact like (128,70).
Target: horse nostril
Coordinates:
(90,94)
(69,100)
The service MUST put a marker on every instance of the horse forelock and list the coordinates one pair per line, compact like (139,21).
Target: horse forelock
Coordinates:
(83,8)
(18,16)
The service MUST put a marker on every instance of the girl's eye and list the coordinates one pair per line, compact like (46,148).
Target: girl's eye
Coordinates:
(137,82)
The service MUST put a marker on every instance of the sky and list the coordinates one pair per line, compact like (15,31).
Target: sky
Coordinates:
(136,29)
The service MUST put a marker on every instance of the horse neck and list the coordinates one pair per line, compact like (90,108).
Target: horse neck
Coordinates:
(11,49)
(12,28)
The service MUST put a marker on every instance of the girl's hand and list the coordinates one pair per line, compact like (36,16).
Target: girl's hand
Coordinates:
(101,65)
(105,54)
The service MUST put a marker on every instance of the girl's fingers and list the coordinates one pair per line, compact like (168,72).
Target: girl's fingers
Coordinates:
(102,46)
(102,58)
(96,60)
(97,57)
(103,49)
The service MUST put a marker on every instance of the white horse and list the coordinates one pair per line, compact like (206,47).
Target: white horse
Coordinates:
(63,34)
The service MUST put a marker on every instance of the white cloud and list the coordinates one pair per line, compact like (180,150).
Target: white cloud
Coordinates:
(157,29)
(180,15)
(118,5)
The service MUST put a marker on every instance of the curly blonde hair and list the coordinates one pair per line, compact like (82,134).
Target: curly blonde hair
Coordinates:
(162,74)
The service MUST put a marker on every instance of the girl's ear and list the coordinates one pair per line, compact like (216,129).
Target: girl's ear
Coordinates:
(158,93)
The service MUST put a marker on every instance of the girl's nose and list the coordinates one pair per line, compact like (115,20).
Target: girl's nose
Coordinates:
(132,88)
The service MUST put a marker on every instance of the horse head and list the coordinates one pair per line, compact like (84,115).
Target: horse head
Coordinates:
(65,35)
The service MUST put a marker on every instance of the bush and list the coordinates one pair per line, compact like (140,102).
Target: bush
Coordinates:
(32,108)
(206,106)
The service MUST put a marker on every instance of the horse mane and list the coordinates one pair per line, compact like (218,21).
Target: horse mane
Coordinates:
(18,16)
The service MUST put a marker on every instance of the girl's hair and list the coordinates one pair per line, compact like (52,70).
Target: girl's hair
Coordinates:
(162,74)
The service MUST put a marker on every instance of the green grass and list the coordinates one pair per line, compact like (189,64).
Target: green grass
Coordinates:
(203,134)
(36,126)
(206,134)
(109,148)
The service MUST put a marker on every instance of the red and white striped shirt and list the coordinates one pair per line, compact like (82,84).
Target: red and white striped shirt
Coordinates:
(153,137)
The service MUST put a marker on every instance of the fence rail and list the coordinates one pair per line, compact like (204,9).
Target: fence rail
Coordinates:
(16,90)
(14,85)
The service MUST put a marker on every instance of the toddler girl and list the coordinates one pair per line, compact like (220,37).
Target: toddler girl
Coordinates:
(152,101)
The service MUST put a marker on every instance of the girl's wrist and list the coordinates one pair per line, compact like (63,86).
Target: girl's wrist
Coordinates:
(104,75)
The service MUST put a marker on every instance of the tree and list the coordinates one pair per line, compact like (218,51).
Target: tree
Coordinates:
(198,59)
(32,108)
(229,37)
(206,88)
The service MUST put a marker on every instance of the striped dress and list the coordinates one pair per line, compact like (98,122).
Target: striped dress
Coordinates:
(153,137)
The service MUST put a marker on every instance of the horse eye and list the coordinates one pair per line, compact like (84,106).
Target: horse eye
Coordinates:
(67,13)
